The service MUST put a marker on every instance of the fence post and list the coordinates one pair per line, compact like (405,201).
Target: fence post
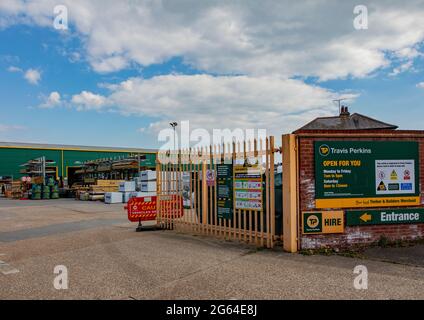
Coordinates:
(290,193)
(204,193)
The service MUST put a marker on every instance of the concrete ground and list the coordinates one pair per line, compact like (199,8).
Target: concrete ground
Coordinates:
(106,259)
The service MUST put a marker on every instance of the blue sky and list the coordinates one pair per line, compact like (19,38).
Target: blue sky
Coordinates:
(41,48)
(119,83)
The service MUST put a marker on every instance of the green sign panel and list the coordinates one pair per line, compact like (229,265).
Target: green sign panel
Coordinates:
(366,173)
(224,194)
(373,217)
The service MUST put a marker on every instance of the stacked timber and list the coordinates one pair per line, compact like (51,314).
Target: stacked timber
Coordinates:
(79,189)
(125,164)
(96,191)
(15,190)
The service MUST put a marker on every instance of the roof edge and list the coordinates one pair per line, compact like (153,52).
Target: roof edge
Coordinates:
(47,146)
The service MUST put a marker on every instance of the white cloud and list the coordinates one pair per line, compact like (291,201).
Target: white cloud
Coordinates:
(53,100)
(402,68)
(307,38)
(7,128)
(88,101)
(273,103)
(14,69)
(33,76)
(420,85)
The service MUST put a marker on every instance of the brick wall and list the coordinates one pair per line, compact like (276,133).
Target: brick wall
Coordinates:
(360,234)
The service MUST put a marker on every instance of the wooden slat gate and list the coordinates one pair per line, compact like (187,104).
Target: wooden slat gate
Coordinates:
(191,174)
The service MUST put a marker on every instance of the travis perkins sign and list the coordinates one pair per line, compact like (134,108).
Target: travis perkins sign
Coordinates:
(355,174)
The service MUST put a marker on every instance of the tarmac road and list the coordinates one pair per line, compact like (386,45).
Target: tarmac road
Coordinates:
(106,259)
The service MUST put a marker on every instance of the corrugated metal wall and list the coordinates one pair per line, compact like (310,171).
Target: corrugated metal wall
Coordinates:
(12,158)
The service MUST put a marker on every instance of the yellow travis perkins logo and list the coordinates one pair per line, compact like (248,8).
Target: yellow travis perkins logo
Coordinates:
(366,217)
(312,222)
(323,222)
(324,150)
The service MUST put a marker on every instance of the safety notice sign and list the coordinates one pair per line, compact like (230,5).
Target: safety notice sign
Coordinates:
(395,176)
(248,187)
(224,194)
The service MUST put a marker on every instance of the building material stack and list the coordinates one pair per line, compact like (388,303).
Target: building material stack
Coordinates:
(113,197)
(15,191)
(148,182)
(143,185)
(127,188)
(96,191)
(40,167)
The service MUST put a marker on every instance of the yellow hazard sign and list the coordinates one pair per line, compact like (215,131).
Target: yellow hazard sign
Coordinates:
(381,187)
(393,175)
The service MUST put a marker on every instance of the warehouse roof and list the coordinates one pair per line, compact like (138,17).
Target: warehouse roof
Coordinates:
(347,121)
(72,147)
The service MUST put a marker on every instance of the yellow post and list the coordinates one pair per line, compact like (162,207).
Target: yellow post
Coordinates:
(62,173)
(290,194)
(204,194)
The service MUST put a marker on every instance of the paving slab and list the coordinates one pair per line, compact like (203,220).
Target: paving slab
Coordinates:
(413,255)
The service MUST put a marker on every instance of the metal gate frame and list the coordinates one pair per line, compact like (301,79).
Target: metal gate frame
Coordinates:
(248,226)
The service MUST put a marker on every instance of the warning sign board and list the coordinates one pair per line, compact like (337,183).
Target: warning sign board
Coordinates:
(323,222)
(142,209)
(248,187)
(145,208)
(397,176)
(210,177)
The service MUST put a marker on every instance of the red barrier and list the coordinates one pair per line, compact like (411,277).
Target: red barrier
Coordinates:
(141,209)
(145,208)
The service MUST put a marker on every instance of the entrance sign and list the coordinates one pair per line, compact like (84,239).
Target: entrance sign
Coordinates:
(248,187)
(354,174)
(374,217)
(224,194)
(323,222)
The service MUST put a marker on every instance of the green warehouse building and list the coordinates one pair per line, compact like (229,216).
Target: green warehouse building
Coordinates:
(67,158)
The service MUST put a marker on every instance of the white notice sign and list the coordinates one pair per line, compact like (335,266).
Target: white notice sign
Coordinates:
(395,176)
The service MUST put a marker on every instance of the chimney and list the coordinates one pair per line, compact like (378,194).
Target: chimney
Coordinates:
(344,111)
